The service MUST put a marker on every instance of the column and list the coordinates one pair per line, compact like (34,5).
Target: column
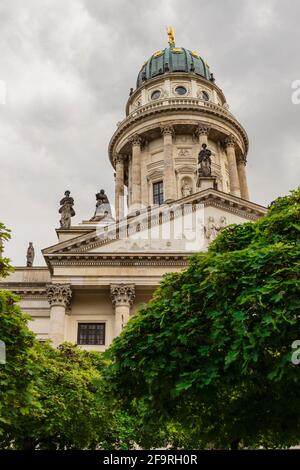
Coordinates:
(202,132)
(241,168)
(232,166)
(169,176)
(122,297)
(59,296)
(119,186)
(136,143)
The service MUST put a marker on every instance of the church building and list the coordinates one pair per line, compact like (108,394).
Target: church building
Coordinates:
(179,163)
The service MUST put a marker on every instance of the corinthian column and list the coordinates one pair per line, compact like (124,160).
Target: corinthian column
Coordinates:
(230,142)
(136,143)
(241,168)
(119,186)
(59,296)
(169,178)
(202,132)
(122,297)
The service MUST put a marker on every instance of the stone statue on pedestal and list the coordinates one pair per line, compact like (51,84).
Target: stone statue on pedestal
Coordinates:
(186,189)
(204,161)
(66,210)
(30,255)
(102,206)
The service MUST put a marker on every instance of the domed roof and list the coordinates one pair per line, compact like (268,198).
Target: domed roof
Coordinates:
(173,59)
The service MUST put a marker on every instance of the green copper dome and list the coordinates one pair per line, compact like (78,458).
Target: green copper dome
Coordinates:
(173,59)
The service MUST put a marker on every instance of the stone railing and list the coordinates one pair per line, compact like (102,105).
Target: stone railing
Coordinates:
(175,102)
(166,103)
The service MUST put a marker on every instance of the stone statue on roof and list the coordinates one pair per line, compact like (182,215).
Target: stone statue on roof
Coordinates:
(66,210)
(30,255)
(103,208)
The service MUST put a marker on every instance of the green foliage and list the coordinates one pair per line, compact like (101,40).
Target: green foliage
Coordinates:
(5,267)
(212,350)
(73,413)
(52,398)
(17,394)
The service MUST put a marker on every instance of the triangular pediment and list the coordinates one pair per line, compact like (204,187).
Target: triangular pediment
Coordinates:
(150,231)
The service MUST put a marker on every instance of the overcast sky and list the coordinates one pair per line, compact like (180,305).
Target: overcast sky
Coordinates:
(68,66)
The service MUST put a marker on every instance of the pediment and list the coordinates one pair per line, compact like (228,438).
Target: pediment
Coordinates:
(150,232)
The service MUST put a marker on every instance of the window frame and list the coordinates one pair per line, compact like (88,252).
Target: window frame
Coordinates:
(102,333)
(157,97)
(181,87)
(159,194)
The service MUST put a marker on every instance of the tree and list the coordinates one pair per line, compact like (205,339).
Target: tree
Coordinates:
(17,393)
(52,398)
(73,413)
(212,349)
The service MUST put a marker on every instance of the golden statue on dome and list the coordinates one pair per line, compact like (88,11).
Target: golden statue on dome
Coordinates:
(171,36)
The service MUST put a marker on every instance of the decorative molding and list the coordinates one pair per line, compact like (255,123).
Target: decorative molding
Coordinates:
(230,141)
(186,85)
(155,174)
(185,169)
(242,159)
(191,105)
(213,228)
(167,130)
(122,260)
(59,294)
(184,152)
(119,158)
(159,164)
(78,250)
(200,91)
(122,294)
(136,140)
(28,292)
(202,129)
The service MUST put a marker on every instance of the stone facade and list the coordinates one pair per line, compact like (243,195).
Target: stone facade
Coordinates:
(100,271)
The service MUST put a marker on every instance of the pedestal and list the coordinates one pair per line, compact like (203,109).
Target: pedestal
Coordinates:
(206,182)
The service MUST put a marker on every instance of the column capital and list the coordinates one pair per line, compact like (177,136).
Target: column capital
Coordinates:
(59,294)
(230,141)
(119,158)
(167,130)
(135,140)
(122,294)
(242,159)
(202,129)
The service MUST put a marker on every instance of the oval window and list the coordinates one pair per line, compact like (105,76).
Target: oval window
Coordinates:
(180,90)
(155,95)
(205,96)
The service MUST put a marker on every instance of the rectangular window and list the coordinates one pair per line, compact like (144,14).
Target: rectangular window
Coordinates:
(158,193)
(91,333)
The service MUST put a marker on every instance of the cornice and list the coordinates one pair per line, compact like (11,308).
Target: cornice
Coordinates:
(141,259)
(173,105)
(75,252)
(27,290)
